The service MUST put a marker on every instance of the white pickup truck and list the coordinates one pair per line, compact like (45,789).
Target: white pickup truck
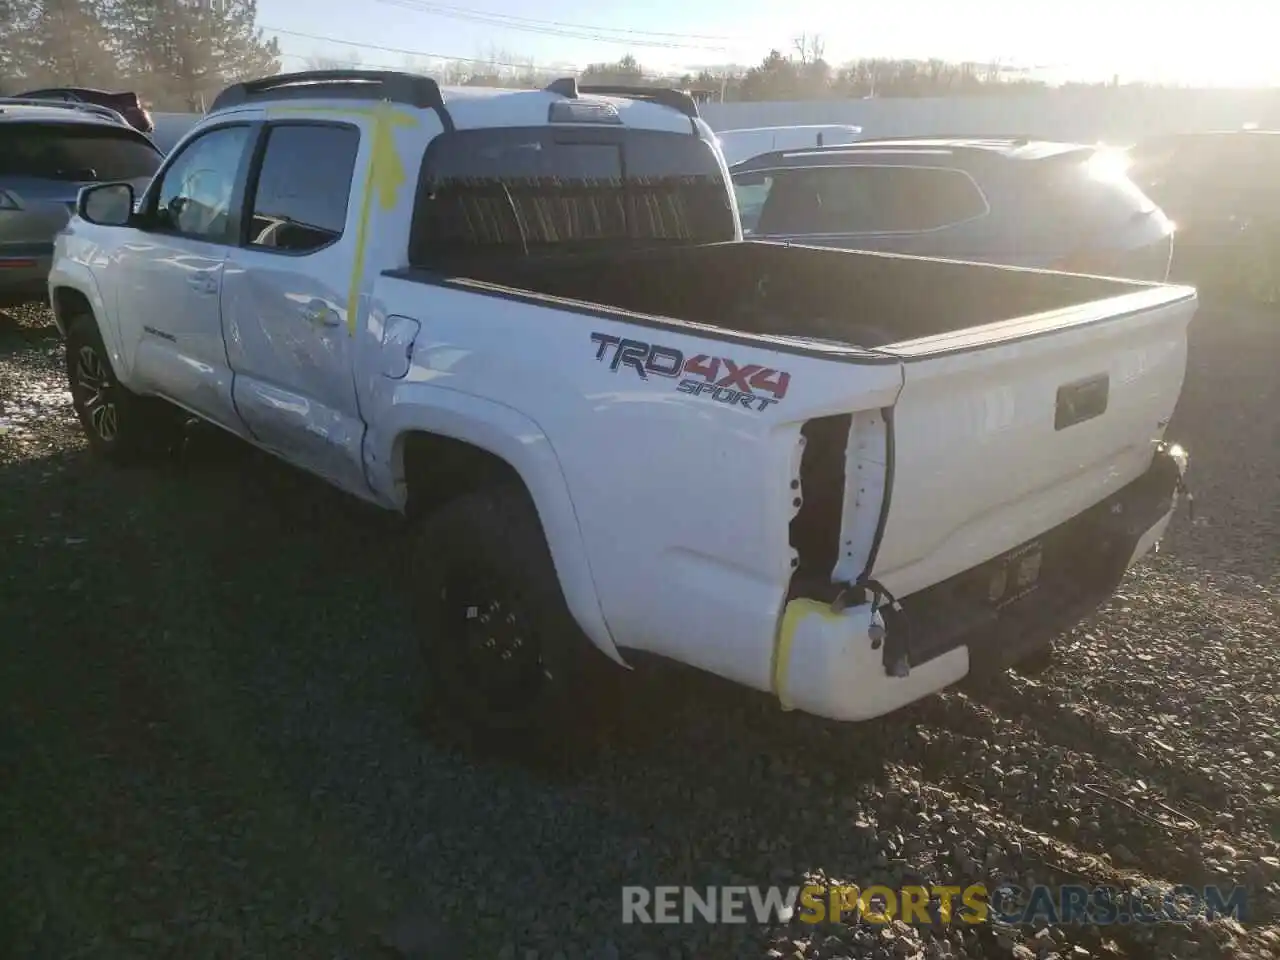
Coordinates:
(528,321)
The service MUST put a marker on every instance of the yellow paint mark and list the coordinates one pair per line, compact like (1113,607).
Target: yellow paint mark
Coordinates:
(795,613)
(384,176)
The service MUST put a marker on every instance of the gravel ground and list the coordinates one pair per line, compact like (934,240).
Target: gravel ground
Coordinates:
(213,743)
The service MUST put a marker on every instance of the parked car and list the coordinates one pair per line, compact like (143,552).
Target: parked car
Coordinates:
(747,142)
(1222,191)
(527,319)
(125,102)
(47,153)
(1058,206)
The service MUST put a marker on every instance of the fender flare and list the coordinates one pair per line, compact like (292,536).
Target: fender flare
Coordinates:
(513,437)
(78,278)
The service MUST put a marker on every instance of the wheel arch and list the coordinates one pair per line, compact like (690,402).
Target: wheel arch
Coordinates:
(68,302)
(448,443)
(73,288)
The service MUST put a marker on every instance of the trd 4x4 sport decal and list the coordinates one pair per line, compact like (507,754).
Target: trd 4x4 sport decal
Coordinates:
(719,378)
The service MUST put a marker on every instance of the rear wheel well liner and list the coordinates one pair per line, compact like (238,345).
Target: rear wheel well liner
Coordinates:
(433,468)
(437,468)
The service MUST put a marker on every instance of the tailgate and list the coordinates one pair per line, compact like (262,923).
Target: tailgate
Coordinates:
(1004,431)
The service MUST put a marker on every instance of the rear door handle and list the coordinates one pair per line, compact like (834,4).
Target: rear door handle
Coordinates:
(319,313)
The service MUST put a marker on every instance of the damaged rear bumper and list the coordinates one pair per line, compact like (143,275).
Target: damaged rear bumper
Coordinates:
(862,662)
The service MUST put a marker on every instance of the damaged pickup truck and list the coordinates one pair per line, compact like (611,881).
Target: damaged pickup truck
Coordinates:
(528,321)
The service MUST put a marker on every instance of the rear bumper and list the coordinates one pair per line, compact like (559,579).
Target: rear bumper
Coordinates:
(24,275)
(838,664)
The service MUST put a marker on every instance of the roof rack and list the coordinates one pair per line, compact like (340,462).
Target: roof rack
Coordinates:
(409,89)
(82,107)
(664,96)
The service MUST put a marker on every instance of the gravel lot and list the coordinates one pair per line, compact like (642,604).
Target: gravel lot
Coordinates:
(213,744)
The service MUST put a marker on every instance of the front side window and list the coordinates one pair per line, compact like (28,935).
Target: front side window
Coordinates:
(862,199)
(300,202)
(195,193)
(82,152)
(552,190)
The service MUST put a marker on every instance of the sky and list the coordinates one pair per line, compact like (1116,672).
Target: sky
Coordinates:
(1224,42)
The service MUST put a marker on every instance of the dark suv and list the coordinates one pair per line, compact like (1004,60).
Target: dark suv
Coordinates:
(47,153)
(1059,206)
(1222,190)
(125,103)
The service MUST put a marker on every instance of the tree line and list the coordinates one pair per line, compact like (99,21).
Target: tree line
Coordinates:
(176,54)
(803,73)
(800,73)
(794,75)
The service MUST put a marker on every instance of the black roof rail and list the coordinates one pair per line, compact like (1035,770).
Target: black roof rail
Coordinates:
(409,89)
(664,96)
(1016,138)
(565,86)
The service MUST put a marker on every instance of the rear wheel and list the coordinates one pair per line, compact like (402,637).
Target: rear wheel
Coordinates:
(505,658)
(120,425)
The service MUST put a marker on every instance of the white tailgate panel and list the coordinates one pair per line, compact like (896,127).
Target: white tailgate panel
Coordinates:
(978,466)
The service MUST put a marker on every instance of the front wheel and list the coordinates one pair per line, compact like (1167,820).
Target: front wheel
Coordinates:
(120,425)
(504,655)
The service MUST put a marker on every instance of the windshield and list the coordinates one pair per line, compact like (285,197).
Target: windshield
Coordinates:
(75,151)
(545,189)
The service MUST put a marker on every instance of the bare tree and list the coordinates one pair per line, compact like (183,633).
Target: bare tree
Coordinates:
(809,48)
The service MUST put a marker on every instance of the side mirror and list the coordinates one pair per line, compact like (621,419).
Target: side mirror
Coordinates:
(749,180)
(106,204)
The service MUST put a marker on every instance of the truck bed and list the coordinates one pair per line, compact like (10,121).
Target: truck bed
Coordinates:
(858,298)
(691,401)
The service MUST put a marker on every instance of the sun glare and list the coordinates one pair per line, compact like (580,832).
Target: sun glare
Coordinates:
(1109,164)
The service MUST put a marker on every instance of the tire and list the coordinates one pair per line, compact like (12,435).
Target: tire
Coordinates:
(120,426)
(503,654)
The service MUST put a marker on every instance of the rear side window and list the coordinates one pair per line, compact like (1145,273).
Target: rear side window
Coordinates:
(300,199)
(75,151)
(546,190)
(860,199)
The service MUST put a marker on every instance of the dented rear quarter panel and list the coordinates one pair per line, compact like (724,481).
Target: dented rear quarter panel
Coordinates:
(679,501)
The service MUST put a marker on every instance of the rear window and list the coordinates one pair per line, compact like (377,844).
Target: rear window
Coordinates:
(858,199)
(1079,197)
(1227,170)
(547,190)
(75,152)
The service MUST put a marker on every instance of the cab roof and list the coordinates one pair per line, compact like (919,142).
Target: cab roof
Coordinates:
(649,108)
(474,107)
